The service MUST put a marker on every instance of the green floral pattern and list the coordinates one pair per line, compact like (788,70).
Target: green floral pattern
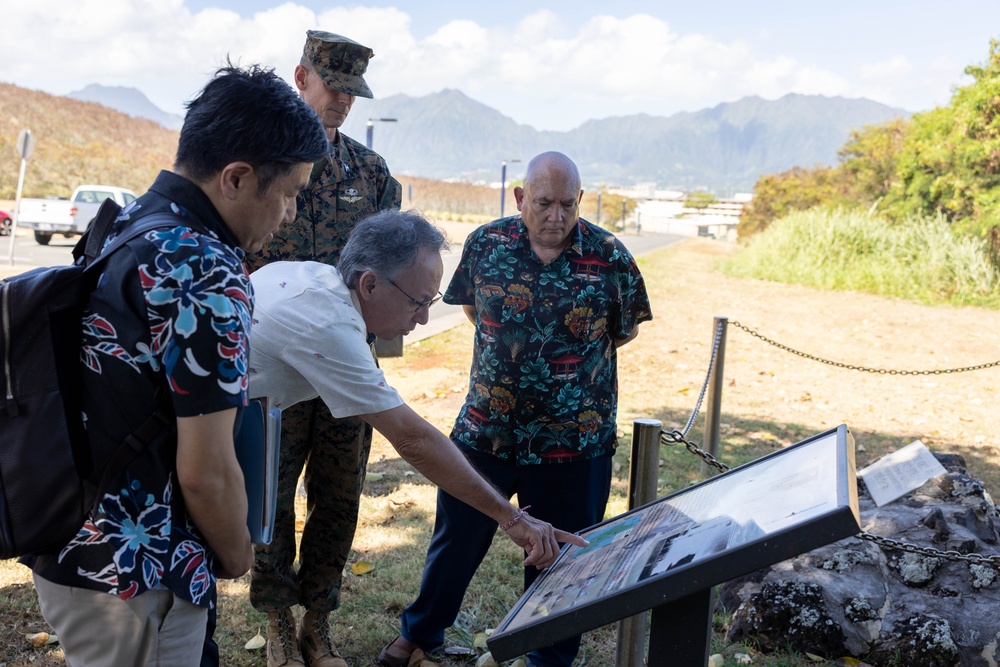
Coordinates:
(544,382)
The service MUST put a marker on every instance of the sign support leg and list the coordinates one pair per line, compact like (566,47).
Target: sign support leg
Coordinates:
(681,631)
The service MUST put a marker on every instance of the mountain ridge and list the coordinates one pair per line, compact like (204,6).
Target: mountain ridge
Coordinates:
(448,135)
(725,147)
(129,101)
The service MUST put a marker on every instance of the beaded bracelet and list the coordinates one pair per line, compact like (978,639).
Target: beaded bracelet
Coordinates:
(521,511)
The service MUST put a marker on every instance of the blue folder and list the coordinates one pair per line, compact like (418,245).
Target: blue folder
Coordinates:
(257,443)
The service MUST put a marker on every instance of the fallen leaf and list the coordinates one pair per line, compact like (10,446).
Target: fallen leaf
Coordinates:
(258,642)
(716,660)
(374,476)
(742,658)
(479,642)
(683,390)
(362,567)
(848,661)
(41,639)
(519,663)
(814,657)
(459,650)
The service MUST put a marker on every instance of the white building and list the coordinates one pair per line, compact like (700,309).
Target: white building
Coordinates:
(664,211)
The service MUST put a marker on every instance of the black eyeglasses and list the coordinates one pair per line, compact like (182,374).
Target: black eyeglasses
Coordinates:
(420,305)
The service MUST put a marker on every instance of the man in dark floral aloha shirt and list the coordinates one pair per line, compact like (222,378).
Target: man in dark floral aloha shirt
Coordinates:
(553,297)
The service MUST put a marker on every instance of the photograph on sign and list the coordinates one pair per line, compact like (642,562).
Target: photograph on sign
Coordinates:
(806,483)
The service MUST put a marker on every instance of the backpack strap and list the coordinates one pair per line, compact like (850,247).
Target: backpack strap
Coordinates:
(89,246)
(91,249)
(135,230)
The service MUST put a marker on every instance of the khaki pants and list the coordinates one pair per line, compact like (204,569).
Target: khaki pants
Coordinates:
(100,630)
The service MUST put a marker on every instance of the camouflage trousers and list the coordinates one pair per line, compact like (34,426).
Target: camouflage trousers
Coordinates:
(335,455)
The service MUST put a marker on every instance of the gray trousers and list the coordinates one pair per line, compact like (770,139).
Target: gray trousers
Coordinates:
(100,630)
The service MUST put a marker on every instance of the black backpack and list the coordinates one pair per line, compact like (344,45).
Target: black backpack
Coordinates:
(49,481)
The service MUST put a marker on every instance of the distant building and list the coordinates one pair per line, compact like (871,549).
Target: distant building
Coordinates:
(664,211)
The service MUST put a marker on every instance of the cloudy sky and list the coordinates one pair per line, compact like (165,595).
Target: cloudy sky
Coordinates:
(551,65)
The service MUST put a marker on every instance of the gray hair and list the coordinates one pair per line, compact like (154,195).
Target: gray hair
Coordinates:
(388,244)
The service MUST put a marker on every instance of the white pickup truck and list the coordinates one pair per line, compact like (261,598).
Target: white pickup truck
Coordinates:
(69,217)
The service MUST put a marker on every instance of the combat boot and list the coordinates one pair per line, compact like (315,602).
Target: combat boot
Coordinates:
(282,644)
(314,637)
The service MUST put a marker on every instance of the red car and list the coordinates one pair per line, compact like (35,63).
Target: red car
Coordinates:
(5,223)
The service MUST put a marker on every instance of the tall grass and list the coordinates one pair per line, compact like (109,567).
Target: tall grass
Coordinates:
(921,260)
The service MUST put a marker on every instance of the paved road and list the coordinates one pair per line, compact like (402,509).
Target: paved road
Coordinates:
(28,254)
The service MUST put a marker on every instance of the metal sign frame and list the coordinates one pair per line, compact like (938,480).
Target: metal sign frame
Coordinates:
(678,547)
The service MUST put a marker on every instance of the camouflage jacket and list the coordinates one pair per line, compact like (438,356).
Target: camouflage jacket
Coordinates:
(351,183)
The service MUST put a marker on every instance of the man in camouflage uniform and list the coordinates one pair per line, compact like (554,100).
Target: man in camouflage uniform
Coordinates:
(351,183)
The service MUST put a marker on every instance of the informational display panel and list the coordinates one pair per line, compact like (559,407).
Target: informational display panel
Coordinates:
(786,503)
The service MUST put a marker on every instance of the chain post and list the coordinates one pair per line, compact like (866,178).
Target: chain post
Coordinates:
(643,476)
(713,407)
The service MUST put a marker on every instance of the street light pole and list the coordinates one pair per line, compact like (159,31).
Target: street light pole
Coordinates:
(383,348)
(503,181)
(370,128)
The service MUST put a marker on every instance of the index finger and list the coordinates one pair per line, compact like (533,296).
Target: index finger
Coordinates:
(563,536)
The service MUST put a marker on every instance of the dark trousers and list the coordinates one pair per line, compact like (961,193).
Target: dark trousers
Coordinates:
(570,496)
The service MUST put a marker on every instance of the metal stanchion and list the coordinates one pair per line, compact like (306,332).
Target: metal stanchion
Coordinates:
(643,476)
(713,407)
(389,348)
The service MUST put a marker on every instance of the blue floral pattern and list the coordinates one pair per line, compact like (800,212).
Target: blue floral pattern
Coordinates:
(171,309)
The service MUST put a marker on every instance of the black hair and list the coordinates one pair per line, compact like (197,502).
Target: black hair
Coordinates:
(249,115)
(387,243)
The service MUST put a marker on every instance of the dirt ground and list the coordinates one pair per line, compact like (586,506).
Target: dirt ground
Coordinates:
(662,371)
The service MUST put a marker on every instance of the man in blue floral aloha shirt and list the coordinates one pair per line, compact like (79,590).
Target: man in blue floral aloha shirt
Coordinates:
(171,315)
(553,297)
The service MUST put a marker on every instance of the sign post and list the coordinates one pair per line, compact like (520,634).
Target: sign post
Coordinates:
(25,145)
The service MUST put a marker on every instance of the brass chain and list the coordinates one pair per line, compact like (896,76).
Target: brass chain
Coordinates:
(851,367)
(675,437)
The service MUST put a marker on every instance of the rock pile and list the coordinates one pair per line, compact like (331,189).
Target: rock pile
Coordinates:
(881,604)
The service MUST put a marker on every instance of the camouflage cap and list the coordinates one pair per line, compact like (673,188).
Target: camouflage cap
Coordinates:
(339,61)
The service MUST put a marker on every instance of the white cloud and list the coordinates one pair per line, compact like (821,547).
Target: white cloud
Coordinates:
(896,66)
(542,71)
